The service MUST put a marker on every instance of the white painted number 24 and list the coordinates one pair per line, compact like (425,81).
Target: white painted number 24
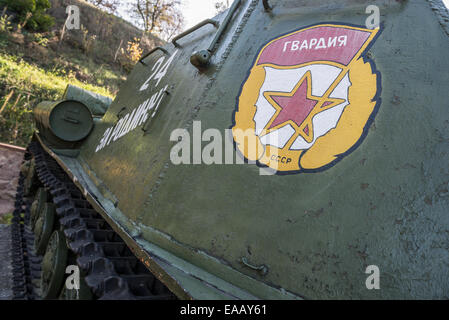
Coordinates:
(159,71)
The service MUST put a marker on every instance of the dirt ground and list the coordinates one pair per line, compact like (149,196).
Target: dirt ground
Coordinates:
(10,161)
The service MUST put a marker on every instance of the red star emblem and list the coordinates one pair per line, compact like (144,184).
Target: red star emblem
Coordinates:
(298,107)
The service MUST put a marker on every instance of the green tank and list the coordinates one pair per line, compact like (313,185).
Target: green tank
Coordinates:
(287,149)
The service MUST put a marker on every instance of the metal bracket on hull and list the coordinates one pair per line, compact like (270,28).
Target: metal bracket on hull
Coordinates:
(194,28)
(201,59)
(151,52)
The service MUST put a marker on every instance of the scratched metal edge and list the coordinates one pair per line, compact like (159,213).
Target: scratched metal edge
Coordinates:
(442,13)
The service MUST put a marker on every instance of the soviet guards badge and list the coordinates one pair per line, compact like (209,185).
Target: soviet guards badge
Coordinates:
(309,99)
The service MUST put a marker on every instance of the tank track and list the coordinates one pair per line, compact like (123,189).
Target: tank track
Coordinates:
(110,269)
(26,265)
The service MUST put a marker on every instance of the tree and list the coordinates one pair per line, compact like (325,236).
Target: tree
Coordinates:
(173,28)
(221,6)
(110,6)
(160,17)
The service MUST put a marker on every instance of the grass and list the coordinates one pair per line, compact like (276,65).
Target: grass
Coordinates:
(16,73)
(23,85)
(35,67)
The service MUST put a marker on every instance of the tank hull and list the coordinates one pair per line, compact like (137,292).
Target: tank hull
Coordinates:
(224,230)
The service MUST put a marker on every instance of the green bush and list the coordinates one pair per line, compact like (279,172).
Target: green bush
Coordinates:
(33,12)
(41,21)
(21,6)
(43,4)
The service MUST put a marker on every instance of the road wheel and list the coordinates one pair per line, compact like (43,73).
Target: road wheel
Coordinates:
(53,266)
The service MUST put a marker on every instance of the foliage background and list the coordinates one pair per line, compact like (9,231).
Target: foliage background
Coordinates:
(37,66)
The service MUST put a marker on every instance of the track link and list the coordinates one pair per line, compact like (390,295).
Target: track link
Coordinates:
(110,269)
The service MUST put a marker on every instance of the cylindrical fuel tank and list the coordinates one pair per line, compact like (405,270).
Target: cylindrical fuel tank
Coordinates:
(69,120)
(97,104)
